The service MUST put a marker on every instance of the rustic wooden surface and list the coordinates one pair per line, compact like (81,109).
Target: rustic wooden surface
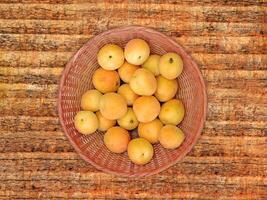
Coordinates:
(226,38)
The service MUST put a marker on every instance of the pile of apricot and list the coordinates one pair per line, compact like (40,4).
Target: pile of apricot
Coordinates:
(134,90)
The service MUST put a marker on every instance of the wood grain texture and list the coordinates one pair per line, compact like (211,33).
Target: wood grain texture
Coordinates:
(69,27)
(183,2)
(148,12)
(226,38)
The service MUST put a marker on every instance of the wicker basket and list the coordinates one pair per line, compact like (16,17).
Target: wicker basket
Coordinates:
(76,79)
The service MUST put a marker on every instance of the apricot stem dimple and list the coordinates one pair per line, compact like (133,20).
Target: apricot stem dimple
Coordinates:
(131,121)
(110,56)
(171,60)
(139,57)
(81,120)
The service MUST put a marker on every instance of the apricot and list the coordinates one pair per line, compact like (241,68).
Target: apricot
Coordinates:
(150,130)
(116,139)
(129,120)
(90,100)
(126,71)
(106,81)
(146,108)
(152,64)
(170,65)
(166,89)
(129,95)
(136,51)
(172,112)
(140,151)
(104,123)
(86,122)
(143,82)
(110,57)
(171,137)
(113,106)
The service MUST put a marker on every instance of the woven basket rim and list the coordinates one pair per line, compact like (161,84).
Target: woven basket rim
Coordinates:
(202,122)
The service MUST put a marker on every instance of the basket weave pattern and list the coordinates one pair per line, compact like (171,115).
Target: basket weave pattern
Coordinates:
(77,78)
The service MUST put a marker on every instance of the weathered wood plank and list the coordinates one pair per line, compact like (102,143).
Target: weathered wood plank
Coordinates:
(32,79)
(231,61)
(28,107)
(237,93)
(34,59)
(28,91)
(20,42)
(22,123)
(183,2)
(85,177)
(234,128)
(236,110)
(19,71)
(167,187)
(36,142)
(223,45)
(230,146)
(69,173)
(13,26)
(204,3)
(119,194)
(146,12)
(213,45)
(236,79)
(87,194)
(40,156)
(230,83)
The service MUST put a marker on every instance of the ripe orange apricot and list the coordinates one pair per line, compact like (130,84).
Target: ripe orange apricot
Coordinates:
(116,139)
(106,81)
(113,106)
(146,108)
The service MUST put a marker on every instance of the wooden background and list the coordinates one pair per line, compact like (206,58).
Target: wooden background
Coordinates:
(226,38)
